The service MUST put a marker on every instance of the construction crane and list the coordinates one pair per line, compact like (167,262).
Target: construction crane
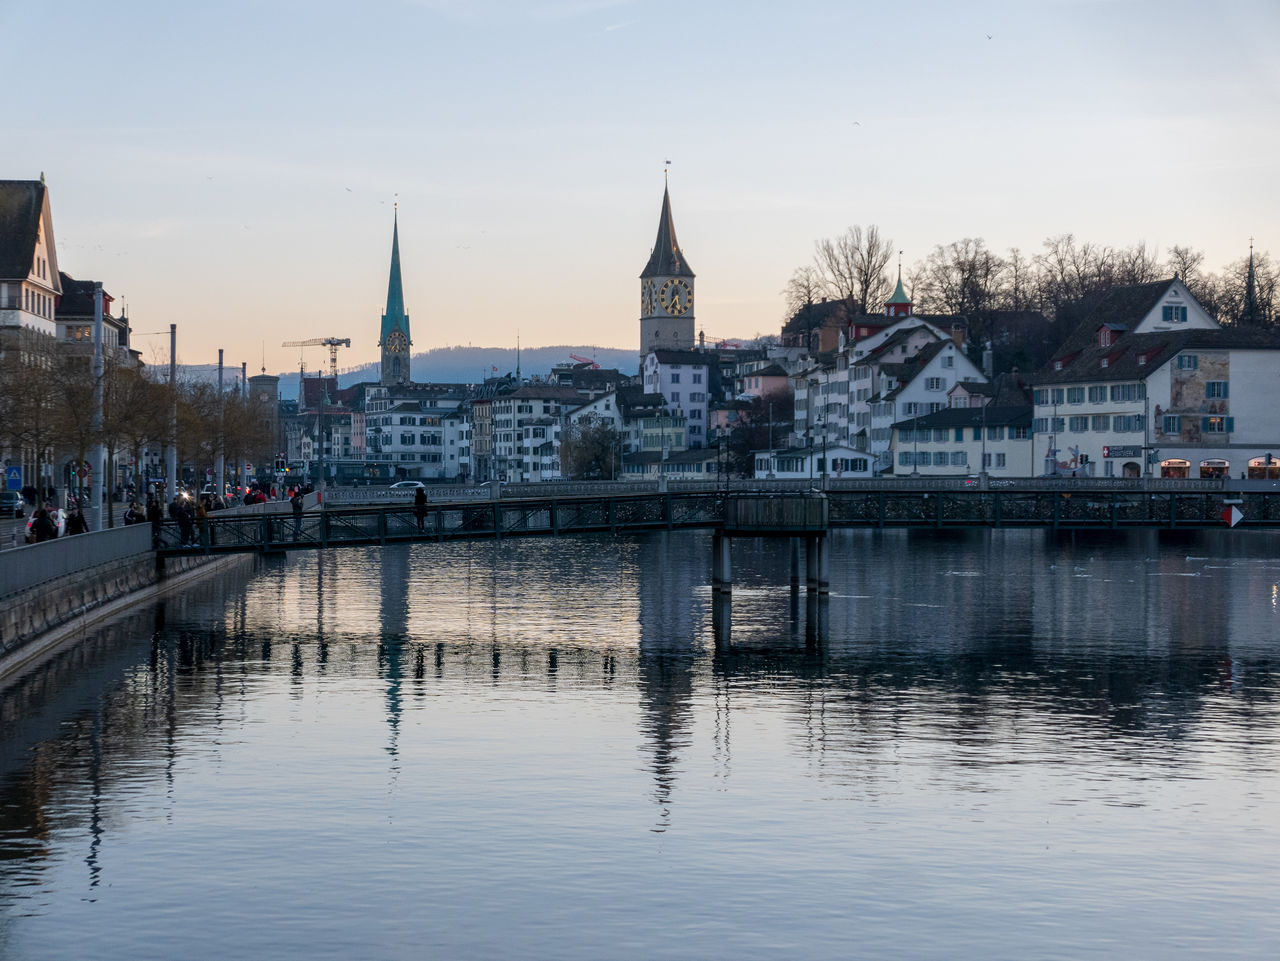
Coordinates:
(333,343)
(585,360)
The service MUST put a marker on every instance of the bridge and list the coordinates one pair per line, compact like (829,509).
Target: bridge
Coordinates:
(360,518)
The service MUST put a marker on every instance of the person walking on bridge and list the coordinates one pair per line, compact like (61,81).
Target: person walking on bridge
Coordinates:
(420,508)
(296,503)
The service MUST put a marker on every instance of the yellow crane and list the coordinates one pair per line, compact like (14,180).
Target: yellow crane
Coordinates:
(333,343)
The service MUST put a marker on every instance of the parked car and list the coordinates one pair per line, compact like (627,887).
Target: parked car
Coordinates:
(12,504)
(405,484)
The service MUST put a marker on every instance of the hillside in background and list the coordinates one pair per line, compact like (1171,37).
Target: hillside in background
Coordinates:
(470,365)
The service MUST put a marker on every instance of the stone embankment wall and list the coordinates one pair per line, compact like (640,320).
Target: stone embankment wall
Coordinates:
(54,590)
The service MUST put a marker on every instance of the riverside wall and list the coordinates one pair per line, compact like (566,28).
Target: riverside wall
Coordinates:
(52,592)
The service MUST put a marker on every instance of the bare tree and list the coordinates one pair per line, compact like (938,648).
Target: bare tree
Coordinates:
(852,267)
(803,289)
(961,278)
(1138,264)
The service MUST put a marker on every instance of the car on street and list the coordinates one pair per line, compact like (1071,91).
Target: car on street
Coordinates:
(407,484)
(12,504)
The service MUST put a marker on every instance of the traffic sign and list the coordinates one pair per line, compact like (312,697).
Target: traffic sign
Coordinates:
(13,478)
(1231,516)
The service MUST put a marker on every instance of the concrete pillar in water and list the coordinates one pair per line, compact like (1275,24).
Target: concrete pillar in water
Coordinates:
(811,562)
(795,561)
(721,564)
(722,618)
(824,566)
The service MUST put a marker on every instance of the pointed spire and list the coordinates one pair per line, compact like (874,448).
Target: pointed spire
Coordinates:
(666,259)
(899,305)
(395,315)
(1251,314)
(518,357)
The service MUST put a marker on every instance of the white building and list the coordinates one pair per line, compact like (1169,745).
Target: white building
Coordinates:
(1150,383)
(683,377)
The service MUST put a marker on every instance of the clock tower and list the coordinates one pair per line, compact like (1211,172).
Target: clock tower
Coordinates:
(666,291)
(394,339)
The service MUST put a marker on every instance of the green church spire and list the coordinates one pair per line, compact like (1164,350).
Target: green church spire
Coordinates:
(395,315)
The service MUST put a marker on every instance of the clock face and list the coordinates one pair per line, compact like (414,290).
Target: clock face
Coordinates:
(648,297)
(676,296)
(395,342)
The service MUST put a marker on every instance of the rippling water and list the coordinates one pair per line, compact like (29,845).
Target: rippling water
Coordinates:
(986,745)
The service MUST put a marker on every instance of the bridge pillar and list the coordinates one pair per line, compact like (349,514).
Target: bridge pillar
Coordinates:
(794,543)
(722,619)
(721,564)
(817,564)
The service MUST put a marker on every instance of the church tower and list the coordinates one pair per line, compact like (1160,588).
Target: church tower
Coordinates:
(666,291)
(394,339)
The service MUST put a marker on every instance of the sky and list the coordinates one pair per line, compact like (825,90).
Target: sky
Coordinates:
(232,166)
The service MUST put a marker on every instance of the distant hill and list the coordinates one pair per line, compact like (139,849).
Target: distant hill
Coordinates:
(470,365)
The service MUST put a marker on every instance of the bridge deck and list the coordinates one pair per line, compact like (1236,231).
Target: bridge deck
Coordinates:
(1079,508)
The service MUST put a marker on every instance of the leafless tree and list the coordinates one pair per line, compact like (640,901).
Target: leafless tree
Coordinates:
(853,267)
(803,289)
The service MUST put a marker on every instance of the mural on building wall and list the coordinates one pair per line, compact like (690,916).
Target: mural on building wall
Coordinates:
(1189,395)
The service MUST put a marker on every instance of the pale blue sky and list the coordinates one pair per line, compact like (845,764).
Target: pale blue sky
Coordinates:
(231,166)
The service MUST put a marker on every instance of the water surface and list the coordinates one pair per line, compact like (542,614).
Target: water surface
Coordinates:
(984,745)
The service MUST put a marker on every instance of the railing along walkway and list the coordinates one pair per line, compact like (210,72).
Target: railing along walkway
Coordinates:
(533,510)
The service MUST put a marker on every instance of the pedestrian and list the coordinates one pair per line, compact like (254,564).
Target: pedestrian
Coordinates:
(296,503)
(156,518)
(202,520)
(420,509)
(133,515)
(43,528)
(76,524)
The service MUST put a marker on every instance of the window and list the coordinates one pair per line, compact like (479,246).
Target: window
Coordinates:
(1172,424)
(911,410)
(1128,425)
(940,436)
(697,378)
(940,458)
(977,433)
(1218,425)
(995,433)
(934,383)
(1020,433)
(1040,425)
(1101,422)
(959,435)
(1058,424)
(1188,361)
(1000,459)
(696,413)
(1104,336)
(959,459)
(1079,425)
(1215,389)
(1075,395)
(1098,395)
(935,407)
(904,458)
(986,461)
(1041,396)
(675,397)
(1127,392)
(1174,314)
(1058,395)
(948,361)
(675,378)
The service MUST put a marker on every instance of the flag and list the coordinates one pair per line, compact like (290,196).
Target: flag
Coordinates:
(495,370)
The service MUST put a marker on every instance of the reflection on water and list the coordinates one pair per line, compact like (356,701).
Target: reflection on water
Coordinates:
(995,745)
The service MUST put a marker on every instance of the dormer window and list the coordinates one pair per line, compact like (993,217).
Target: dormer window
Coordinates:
(1057,365)
(1104,336)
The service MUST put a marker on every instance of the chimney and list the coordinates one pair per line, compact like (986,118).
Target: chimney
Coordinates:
(957,335)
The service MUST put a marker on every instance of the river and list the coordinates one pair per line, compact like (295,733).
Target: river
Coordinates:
(985,745)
